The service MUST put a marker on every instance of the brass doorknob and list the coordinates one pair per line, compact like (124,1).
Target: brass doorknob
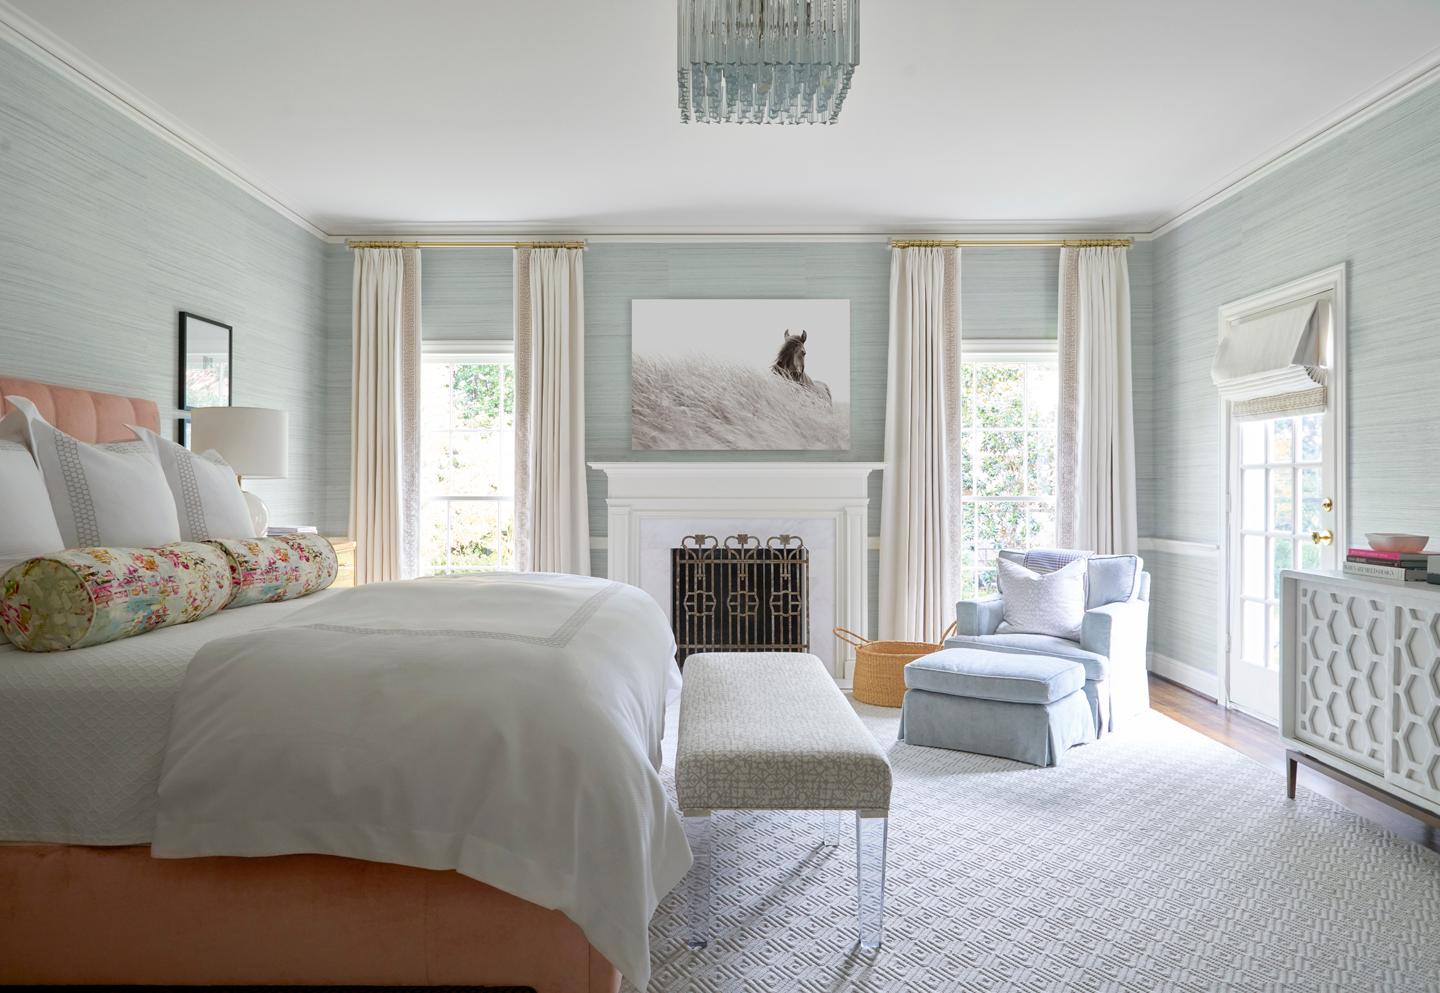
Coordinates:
(1327,505)
(1322,537)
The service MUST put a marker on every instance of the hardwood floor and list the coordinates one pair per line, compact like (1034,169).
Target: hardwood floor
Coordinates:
(1261,742)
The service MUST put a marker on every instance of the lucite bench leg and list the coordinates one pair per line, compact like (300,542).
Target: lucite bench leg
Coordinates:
(832,823)
(870,841)
(700,880)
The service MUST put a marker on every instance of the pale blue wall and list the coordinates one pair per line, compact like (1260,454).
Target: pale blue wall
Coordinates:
(1006,293)
(1369,198)
(107,232)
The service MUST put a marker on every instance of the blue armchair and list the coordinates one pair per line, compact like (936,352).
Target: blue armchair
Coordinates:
(1112,637)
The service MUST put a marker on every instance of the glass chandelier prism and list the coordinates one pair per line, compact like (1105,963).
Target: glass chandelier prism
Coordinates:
(767,61)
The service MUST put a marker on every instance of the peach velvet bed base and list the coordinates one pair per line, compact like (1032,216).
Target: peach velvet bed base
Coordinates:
(74,914)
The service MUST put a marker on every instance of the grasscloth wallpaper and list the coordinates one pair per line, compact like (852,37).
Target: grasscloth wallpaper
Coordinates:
(1369,198)
(107,232)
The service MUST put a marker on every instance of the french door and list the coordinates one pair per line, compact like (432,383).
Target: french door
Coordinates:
(1282,515)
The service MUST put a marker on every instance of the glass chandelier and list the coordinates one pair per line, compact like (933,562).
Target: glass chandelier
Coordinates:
(767,61)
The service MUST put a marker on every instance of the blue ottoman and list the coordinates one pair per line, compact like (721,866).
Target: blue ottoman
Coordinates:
(1029,708)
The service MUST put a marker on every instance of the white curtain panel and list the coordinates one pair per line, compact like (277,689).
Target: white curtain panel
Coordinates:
(385,415)
(1095,485)
(920,534)
(552,513)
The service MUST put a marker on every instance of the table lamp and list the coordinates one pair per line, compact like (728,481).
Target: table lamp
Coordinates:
(254,441)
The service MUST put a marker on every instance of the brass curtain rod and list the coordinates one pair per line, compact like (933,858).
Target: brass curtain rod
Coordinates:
(464,244)
(996,243)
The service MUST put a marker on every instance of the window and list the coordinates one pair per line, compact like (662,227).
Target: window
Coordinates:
(467,426)
(1012,392)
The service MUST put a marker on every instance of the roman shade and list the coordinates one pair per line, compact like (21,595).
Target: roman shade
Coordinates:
(1271,365)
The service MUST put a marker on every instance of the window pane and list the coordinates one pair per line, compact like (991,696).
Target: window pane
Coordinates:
(1309,556)
(1002,464)
(1252,490)
(476,395)
(432,537)
(1282,440)
(1282,500)
(1252,442)
(474,536)
(1282,554)
(1312,438)
(1272,660)
(999,395)
(1040,468)
(1042,395)
(1310,513)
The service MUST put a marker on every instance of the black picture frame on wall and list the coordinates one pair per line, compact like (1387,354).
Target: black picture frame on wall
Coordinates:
(206,348)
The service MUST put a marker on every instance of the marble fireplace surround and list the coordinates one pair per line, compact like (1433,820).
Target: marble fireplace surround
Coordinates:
(651,505)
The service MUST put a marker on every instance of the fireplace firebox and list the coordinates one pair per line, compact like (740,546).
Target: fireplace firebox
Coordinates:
(740,594)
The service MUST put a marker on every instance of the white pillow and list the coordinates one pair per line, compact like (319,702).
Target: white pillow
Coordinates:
(27,524)
(1050,603)
(103,496)
(207,495)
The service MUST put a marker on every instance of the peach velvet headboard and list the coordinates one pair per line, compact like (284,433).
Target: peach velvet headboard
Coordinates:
(83,414)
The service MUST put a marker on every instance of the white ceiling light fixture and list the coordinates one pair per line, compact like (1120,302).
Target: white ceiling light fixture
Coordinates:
(767,61)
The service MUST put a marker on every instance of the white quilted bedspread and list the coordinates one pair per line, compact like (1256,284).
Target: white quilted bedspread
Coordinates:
(82,733)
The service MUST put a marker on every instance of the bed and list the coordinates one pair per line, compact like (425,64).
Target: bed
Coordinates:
(84,902)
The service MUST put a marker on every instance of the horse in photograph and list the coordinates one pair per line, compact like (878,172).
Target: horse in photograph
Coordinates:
(790,364)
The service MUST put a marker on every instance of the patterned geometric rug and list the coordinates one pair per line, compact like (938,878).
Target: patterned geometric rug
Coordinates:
(1155,859)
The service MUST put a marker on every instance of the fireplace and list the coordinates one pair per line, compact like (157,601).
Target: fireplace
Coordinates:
(740,594)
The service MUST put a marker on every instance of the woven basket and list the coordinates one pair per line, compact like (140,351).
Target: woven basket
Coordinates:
(880,665)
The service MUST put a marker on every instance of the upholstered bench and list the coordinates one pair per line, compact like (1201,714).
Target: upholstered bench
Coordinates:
(1030,708)
(772,731)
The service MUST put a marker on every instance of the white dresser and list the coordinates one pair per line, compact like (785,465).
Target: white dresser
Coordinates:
(1360,683)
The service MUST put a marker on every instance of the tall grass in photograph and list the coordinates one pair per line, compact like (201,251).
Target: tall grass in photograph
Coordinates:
(699,404)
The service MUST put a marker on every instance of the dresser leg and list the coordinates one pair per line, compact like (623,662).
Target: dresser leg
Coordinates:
(1292,769)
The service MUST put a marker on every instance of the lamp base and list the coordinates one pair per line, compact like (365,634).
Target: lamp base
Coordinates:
(259,513)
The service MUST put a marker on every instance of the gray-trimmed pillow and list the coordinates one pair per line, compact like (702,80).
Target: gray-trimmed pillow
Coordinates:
(207,496)
(1051,603)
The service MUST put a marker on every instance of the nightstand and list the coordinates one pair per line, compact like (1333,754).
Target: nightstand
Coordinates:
(345,552)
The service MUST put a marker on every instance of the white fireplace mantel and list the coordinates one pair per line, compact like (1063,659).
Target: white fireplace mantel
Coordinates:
(827,499)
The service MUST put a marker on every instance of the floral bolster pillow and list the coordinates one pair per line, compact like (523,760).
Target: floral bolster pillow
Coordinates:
(263,570)
(88,596)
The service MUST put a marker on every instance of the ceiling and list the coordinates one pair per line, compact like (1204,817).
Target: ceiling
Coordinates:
(368,117)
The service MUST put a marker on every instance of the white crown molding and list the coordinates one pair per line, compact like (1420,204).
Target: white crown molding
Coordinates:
(1373,102)
(49,50)
(39,43)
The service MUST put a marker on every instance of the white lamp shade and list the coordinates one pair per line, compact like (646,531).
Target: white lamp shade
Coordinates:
(255,441)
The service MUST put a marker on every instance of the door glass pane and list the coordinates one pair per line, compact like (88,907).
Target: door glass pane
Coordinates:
(1272,660)
(1252,484)
(1252,639)
(1282,500)
(1309,500)
(1252,550)
(1282,440)
(1252,442)
(1311,438)
(1282,556)
(1309,555)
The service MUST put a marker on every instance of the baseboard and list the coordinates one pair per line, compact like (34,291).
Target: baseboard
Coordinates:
(1207,684)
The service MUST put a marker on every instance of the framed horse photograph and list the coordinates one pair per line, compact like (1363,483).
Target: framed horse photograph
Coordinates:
(739,375)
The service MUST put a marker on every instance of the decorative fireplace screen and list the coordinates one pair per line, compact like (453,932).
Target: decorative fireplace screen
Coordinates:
(739,595)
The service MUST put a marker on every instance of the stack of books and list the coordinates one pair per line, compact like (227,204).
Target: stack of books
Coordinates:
(1396,567)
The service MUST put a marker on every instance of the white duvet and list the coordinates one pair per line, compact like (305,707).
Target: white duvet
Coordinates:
(506,726)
